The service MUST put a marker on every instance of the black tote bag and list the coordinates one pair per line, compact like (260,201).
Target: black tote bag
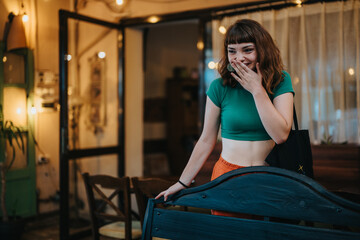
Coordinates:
(294,154)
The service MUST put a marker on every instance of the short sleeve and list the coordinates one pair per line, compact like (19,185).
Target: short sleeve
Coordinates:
(215,92)
(284,86)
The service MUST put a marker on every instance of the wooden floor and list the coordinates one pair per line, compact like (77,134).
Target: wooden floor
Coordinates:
(47,228)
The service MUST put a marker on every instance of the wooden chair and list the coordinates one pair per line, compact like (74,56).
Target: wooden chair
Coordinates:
(116,224)
(147,188)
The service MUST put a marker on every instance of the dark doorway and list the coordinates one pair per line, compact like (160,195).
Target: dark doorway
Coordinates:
(171,96)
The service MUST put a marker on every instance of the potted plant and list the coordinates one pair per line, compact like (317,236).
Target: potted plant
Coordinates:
(10,135)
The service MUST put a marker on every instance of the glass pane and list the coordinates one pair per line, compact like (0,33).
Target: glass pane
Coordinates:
(15,105)
(14,68)
(93,85)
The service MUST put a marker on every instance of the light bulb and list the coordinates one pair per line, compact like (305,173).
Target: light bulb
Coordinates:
(351,71)
(33,110)
(212,65)
(298,2)
(25,18)
(222,29)
(200,45)
(101,54)
(153,19)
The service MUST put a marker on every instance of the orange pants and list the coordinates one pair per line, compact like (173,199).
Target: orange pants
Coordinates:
(221,167)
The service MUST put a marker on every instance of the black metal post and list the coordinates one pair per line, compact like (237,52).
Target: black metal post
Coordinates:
(121,106)
(64,161)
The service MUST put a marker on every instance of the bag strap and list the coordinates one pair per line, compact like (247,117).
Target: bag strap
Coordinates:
(295,119)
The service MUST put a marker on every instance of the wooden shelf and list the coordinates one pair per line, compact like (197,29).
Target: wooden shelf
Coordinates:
(337,166)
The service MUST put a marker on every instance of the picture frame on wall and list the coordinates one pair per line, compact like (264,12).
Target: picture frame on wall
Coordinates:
(96,114)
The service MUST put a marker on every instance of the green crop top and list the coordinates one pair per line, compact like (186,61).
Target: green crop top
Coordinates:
(240,119)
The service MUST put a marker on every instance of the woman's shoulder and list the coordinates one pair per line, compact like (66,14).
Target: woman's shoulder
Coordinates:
(286,76)
(284,86)
(218,82)
(216,91)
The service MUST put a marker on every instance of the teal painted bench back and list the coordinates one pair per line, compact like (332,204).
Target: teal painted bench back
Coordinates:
(265,191)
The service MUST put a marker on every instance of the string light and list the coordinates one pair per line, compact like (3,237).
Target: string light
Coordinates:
(153,19)
(296,80)
(351,71)
(298,3)
(200,45)
(101,54)
(119,2)
(212,65)
(222,29)
(33,110)
(25,18)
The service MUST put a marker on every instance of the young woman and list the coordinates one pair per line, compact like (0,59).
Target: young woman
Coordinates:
(252,102)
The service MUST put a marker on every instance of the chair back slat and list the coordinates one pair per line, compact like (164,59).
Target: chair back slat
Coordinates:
(107,201)
(98,185)
(147,188)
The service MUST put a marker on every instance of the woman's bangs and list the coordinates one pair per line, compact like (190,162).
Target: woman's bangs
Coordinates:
(237,35)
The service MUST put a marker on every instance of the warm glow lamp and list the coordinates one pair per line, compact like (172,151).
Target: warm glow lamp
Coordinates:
(15,105)
(16,37)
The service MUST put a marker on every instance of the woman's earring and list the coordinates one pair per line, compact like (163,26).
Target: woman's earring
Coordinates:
(230,68)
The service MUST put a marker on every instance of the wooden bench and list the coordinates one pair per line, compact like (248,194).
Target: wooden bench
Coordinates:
(302,207)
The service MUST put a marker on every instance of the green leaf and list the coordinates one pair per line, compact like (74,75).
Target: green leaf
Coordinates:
(13,135)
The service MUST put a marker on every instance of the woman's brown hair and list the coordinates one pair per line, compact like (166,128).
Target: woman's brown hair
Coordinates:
(268,54)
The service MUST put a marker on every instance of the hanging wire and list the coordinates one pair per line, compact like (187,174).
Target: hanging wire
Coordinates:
(110,4)
(163,1)
(117,8)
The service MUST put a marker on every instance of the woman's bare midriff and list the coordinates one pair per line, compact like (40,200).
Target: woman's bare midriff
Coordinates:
(246,153)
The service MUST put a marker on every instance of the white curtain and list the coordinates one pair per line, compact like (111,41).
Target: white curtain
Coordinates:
(320,47)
